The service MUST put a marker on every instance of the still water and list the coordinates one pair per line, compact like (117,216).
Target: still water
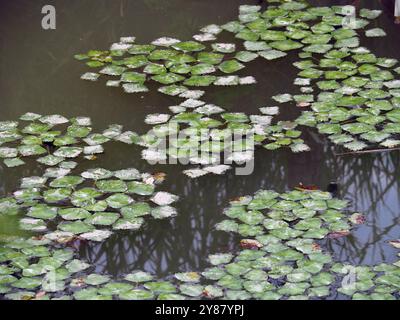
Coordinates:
(38,74)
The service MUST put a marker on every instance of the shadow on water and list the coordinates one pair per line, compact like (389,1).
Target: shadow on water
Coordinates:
(38,73)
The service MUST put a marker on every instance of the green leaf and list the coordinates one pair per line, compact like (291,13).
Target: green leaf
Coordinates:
(160,287)
(76,227)
(128,224)
(376,32)
(136,294)
(187,276)
(103,218)
(111,185)
(96,279)
(140,188)
(163,212)
(168,78)
(191,290)
(189,46)
(139,276)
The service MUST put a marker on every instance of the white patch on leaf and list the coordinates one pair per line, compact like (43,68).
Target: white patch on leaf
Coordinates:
(164,198)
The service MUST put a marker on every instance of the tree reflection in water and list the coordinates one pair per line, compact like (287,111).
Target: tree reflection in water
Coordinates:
(368,181)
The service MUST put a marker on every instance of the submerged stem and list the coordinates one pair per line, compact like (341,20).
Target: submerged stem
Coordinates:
(366,151)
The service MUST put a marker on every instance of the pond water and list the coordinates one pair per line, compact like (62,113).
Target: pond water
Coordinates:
(38,74)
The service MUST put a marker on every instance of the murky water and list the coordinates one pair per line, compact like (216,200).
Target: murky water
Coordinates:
(38,74)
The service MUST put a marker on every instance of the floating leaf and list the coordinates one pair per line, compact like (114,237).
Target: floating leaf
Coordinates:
(230,66)
(376,32)
(96,235)
(111,185)
(188,276)
(76,227)
(128,224)
(96,279)
(139,276)
(272,54)
(191,290)
(102,218)
(68,152)
(13,162)
(224,47)
(77,266)
(163,212)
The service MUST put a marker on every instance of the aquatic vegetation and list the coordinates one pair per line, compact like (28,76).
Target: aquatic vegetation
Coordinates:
(61,209)
(166,66)
(200,133)
(356,97)
(89,205)
(53,140)
(353,106)
(346,92)
(281,257)
(197,133)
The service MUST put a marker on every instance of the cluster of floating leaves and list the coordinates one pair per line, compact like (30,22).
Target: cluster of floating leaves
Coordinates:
(194,137)
(79,204)
(64,209)
(200,133)
(192,116)
(173,63)
(280,258)
(357,100)
(358,105)
(55,141)
(63,206)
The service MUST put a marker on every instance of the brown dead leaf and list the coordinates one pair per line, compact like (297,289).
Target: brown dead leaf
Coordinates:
(206,294)
(237,199)
(302,187)
(38,238)
(250,244)
(303,104)
(40,294)
(159,177)
(338,234)
(316,247)
(357,218)
(66,240)
(78,282)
